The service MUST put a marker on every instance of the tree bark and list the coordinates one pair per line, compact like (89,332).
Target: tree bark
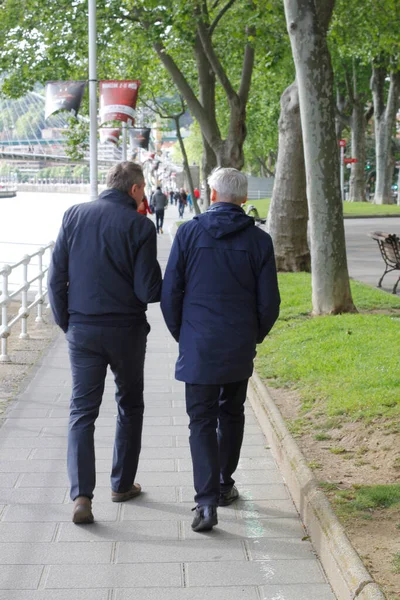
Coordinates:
(384,119)
(288,213)
(357,176)
(330,279)
(186,167)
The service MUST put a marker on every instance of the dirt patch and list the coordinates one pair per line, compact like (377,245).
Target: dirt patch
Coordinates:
(24,354)
(347,454)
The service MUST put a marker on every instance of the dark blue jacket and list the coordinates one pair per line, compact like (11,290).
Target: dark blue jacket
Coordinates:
(220,294)
(104,268)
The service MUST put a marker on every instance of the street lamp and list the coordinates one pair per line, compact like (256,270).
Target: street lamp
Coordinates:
(92,100)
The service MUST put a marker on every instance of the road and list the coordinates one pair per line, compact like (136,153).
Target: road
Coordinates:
(364,257)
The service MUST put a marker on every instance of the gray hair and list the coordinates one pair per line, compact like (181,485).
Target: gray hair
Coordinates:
(124,175)
(229,183)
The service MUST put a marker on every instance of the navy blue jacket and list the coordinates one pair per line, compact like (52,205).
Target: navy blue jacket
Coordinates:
(104,268)
(220,294)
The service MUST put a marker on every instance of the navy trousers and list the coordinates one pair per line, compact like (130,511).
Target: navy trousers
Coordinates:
(91,349)
(216,414)
(159,219)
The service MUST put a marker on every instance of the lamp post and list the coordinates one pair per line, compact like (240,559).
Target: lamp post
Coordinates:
(92,100)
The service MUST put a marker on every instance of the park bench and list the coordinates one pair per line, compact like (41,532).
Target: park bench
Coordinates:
(389,245)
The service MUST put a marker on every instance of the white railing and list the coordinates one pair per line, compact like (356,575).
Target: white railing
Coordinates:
(8,296)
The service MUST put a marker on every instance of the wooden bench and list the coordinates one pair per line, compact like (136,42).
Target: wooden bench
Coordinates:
(389,245)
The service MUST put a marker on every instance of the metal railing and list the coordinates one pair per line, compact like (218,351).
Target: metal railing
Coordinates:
(7,297)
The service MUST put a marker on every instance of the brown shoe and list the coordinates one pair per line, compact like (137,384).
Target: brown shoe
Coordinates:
(124,496)
(82,513)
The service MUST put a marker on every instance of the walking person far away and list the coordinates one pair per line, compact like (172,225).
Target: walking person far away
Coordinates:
(159,201)
(104,271)
(219,299)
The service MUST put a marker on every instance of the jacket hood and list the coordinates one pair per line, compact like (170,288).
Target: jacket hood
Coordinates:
(223,219)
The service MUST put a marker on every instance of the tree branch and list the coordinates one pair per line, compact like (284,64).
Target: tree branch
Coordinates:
(186,91)
(247,69)
(214,61)
(324,12)
(220,15)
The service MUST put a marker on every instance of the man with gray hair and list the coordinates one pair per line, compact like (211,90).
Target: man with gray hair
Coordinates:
(103,274)
(219,298)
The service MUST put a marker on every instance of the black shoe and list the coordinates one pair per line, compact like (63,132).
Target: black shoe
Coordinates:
(205,519)
(226,498)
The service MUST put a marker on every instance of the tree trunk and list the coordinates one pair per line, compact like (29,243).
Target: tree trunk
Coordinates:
(208,163)
(330,279)
(357,177)
(288,213)
(186,167)
(384,119)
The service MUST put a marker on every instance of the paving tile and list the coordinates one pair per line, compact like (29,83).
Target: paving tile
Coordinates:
(267,491)
(161,575)
(89,594)
(210,593)
(169,479)
(12,577)
(141,511)
(249,464)
(279,549)
(31,513)
(127,531)
(31,442)
(252,528)
(149,494)
(254,573)
(265,509)
(32,496)
(27,532)
(83,553)
(276,491)
(179,551)
(28,413)
(8,480)
(296,592)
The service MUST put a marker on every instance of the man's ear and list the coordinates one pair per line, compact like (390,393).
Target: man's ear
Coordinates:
(213,195)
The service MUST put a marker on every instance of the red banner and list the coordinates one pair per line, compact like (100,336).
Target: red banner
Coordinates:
(63,95)
(107,134)
(118,100)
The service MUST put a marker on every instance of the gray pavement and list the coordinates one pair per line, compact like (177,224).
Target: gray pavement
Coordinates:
(144,548)
(364,257)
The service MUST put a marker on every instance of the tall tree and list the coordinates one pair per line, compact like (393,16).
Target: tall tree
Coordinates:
(307,25)
(367,30)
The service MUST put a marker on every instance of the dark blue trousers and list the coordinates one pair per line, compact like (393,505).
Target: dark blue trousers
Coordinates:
(91,349)
(216,414)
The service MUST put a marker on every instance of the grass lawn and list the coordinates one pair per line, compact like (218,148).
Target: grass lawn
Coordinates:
(354,209)
(346,364)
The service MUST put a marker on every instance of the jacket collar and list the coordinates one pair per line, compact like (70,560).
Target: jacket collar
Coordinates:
(117,196)
(225,206)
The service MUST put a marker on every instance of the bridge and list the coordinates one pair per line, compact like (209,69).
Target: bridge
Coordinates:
(26,136)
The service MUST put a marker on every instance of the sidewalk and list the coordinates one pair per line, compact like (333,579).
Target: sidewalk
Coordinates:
(142,549)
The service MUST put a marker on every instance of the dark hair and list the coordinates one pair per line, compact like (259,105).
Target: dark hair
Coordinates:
(124,175)
(159,187)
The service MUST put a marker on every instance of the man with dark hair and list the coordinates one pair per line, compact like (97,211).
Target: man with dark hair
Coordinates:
(103,273)
(220,298)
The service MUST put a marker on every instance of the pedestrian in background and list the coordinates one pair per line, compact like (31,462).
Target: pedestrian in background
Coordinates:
(103,273)
(159,202)
(219,299)
(182,201)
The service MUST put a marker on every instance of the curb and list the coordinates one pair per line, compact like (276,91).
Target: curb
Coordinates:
(372,216)
(344,569)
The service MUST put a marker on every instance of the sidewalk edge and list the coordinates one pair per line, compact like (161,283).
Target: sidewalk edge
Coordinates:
(343,567)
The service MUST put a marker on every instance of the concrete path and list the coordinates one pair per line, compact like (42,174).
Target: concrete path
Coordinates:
(143,549)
